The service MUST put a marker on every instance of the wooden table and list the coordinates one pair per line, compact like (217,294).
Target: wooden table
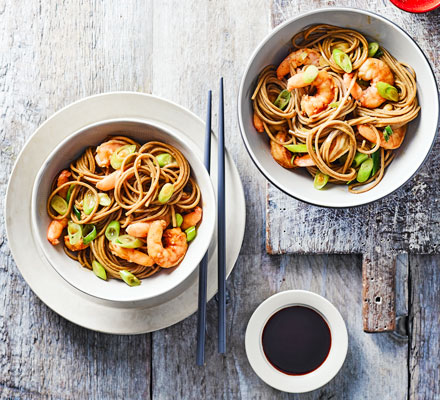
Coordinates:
(55,52)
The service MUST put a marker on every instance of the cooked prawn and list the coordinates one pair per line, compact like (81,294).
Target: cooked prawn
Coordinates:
(175,245)
(104,152)
(55,230)
(62,179)
(109,181)
(258,123)
(325,91)
(279,153)
(75,247)
(304,161)
(394,141)
(192,218)
(140,229)
(131,255)
(373,70)
(296,59)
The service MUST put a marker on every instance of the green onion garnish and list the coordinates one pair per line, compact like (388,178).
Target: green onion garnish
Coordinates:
(112,230)
(74,231)
(342,60)
(129,278)
(59,204)
(128,242)
(282,100)
(89,233)
(387,132)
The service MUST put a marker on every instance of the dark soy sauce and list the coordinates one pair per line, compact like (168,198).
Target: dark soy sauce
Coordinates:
(296,340)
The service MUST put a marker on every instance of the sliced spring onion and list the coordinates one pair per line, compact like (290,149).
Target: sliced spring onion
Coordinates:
(69,193)
(282,99)
(292,160)
(334,104)
(89,202)
(320,180)
(77,213)
(74,231)
(112,230)
(179,220)
(89,233)
(359,158)
(296,148)
(164,159)
(372,48)
(165,193)
(387,132)
(104,200)
(376,162)
(310,74)
(191,233)
(59,204)
(387,91)
(365,170)
(121,154)
(99,270)
(128,242)
(342,59)
(129,278)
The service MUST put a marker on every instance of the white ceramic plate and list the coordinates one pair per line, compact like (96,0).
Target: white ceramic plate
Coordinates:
(156,287)
(419,137)
(296,383)
(54,291)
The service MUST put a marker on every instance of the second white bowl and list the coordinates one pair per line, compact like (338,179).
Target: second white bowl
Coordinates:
(419,137)
(156,287)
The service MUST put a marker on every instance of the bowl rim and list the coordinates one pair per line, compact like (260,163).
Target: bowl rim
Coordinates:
(314,379)
(187,141)
(251,60)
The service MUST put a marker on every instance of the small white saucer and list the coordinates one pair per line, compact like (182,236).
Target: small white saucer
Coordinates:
(296,383)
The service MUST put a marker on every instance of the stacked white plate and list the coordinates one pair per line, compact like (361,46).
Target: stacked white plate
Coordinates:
(57,293)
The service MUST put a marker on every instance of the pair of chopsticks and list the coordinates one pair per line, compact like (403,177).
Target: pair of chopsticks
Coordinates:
(203,270)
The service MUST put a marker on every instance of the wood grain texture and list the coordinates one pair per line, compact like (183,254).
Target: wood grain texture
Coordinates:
(406,221)
(425,322)
(378,291)
(55,52)
(373,361)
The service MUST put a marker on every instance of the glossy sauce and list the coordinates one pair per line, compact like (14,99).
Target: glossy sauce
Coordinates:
(296,340)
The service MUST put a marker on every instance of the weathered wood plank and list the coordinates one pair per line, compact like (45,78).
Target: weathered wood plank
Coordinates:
(374,362)
(424,321)
(378,291)
(53,53)
(406,221)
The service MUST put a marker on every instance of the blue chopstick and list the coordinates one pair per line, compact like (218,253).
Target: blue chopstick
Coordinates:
(203,269)
(221,227)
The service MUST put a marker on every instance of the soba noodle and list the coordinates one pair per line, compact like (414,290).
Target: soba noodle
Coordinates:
(332,133)
(133,197)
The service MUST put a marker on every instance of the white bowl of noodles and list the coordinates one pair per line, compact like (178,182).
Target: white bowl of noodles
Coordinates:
(420,133)
(165,282)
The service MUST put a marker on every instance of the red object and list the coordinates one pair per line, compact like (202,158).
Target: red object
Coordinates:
(416,6)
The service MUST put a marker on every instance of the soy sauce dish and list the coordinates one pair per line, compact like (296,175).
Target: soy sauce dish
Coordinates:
(296,341)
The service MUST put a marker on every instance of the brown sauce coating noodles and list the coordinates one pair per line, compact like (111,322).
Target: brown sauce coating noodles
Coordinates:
(331,134)
(133,198)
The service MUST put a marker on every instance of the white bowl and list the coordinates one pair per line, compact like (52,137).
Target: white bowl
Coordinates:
(421,132)
(296,383)
(156,287)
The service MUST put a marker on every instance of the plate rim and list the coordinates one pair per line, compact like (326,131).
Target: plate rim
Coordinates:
(78,296)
